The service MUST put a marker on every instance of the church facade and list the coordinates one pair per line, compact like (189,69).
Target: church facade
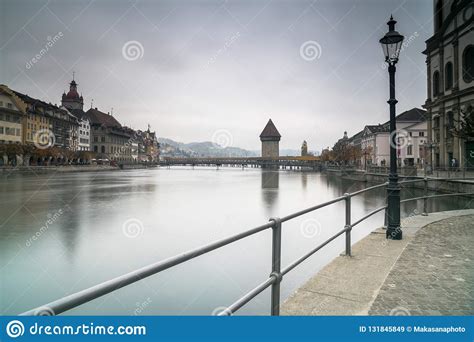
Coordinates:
(450,69)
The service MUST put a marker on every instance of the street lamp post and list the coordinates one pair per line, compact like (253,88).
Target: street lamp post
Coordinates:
(391,45)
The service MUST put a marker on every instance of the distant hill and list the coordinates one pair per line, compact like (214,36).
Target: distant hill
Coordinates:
(171,148)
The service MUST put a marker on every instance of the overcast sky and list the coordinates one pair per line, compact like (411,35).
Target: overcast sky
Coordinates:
(204,70)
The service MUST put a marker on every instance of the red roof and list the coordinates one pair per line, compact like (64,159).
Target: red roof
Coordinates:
(99,118)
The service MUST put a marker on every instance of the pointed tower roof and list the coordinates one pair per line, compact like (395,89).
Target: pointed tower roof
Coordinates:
(270,132)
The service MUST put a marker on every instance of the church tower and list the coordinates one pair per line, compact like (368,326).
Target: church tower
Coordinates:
(72,100)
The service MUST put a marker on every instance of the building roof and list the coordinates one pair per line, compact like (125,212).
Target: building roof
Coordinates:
(378,128)
(270,131)
(79,113)
(414,114)
(99,118)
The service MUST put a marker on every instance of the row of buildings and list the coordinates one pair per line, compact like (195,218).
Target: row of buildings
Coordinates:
(371,146)
(442,136)
(37,132)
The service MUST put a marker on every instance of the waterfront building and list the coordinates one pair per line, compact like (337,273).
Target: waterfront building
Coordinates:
(450,69)
(375,144)
(148,146)
(64,126)
(270,138)
(110,141)
(11,117)
(412,139)
(75,105)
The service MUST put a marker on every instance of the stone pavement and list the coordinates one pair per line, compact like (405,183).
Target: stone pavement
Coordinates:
(435,273)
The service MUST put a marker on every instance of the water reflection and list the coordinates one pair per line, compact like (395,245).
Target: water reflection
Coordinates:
(177,209)
(270,184)
(304,180)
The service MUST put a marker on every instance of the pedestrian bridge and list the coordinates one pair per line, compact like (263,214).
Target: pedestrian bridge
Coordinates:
(290,162)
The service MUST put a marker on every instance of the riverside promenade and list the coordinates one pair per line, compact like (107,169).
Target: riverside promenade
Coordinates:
(429,272)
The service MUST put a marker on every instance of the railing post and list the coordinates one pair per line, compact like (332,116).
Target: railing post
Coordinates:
(425,197)
(276,266)
(348,224)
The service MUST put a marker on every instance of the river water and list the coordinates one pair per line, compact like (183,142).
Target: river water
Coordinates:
(64,232)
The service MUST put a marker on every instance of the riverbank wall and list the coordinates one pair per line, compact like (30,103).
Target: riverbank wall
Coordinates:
(54,169)
(446,186)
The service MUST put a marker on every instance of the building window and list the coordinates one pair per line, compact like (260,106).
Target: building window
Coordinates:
(448,76)
(422,134)
(436,83)
(409,150)
(450,119)
(95,148)
(439,15)
(468,63)
(102,149)
(9,105)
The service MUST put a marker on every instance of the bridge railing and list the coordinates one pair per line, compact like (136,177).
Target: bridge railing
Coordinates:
(277,272)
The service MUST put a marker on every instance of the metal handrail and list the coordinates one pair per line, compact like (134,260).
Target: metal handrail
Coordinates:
(276,275)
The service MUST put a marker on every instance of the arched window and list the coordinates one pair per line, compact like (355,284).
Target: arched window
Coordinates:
(448,76)
(436,83)
(438,15)
(468,63)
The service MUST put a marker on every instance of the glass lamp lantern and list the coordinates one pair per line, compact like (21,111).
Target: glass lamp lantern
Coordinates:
(391,43)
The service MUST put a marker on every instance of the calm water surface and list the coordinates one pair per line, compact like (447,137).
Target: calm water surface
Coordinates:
(61,233)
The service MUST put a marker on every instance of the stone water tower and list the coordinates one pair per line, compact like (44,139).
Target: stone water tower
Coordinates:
(270,138)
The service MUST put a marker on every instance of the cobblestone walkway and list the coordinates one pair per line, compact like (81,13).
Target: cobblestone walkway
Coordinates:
(435,273)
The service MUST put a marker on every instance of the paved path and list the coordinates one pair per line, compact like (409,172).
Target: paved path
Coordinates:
(435,273)
(438,258)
